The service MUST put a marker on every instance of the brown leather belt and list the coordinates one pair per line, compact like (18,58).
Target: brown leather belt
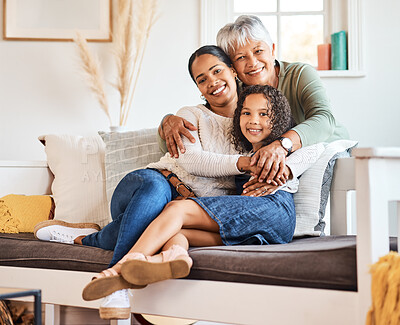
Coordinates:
(183,190)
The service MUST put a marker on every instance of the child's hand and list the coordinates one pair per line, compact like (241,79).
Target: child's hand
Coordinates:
(255,188)
(243,164)
(281,179)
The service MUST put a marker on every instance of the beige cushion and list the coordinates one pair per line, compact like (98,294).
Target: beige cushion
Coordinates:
(78,188)
(128,151)
(314,186)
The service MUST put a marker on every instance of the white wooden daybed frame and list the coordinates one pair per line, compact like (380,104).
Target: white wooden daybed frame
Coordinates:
(238,303)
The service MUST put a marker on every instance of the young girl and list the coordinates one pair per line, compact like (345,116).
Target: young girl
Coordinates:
(262,116)
(254,218)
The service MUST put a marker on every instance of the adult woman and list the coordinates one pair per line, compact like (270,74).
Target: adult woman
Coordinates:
(249,45)
(141,195)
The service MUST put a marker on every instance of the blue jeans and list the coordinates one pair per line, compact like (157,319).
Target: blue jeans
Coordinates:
(137,200)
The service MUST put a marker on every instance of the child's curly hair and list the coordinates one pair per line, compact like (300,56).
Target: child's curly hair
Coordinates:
(278,111)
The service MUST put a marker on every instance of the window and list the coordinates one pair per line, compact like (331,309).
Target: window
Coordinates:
(296,27)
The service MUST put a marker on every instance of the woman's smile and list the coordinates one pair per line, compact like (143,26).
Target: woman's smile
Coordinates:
(255,63)
(219,91)
(253,72)
(216,81)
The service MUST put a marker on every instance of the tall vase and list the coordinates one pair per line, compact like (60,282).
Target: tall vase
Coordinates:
(118,128)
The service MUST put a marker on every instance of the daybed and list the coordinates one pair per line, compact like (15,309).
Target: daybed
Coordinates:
(308,281)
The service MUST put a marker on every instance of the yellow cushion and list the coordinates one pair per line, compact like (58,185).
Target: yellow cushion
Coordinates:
(20,213)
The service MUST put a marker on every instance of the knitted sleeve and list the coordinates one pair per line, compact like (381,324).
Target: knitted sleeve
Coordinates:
(302,159)
(199,162)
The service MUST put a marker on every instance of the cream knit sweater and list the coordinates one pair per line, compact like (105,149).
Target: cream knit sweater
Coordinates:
(208,165)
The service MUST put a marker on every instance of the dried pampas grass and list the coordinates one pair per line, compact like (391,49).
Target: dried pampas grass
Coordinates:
(92,71)
(145,18)
(134,21)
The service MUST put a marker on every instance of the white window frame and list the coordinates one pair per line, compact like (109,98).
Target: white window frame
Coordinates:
(216,13)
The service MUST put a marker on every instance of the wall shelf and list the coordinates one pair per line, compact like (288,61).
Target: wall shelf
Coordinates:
(341,74)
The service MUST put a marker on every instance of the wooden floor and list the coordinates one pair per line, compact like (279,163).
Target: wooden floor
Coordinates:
(80,316)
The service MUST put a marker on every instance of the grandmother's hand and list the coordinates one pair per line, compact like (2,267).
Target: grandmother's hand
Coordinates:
(173,127)
(256,188)
(270,161)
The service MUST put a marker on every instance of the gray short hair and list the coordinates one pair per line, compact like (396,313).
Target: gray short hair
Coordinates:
(245,28)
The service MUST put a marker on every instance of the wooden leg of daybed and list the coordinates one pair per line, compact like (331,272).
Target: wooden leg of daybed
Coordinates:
(398,226)
(52,314)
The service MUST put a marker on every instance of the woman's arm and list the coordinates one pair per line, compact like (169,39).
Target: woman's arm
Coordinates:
(311,100)
(270,160)
(197,161)
(169,134)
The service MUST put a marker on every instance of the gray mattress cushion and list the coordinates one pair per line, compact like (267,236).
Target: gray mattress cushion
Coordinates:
(317,262)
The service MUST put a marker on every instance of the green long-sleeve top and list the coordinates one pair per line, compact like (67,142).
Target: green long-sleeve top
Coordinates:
(310,105)
(309,102)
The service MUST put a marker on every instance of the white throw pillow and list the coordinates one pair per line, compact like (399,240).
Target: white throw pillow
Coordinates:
(314,185)
(79,184)
(128,151)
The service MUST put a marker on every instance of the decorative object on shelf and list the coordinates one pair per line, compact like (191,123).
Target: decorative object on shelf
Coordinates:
(49,20)
(339,50)
(324,56)
(134,20)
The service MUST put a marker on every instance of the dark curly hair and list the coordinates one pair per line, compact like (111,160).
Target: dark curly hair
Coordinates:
(212,50)
(215,51)
(278,111)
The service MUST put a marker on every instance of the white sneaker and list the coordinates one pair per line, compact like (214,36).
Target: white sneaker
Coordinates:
(116,305)
(63,232)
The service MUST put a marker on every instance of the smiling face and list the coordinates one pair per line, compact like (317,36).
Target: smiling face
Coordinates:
(254,63)
(216,82)
(254,121)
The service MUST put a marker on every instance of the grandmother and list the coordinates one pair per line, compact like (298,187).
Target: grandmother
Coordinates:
(250,47)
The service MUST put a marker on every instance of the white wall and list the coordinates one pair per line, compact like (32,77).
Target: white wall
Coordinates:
(42,92)
(369,107)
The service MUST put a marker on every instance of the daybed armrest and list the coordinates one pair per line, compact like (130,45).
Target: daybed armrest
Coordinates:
(25,177)
(343,181)
(377,171)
